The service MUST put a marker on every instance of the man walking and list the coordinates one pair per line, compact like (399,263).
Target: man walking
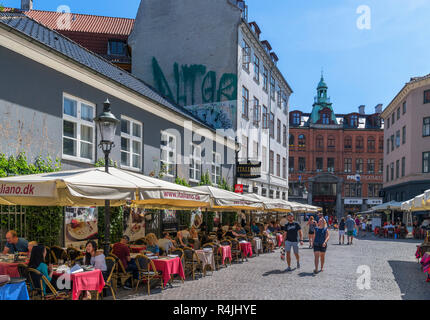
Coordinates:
(292,231)
(350,225)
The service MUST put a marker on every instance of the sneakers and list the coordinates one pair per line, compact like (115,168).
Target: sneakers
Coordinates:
(288,269)
(298,265)
(126,287)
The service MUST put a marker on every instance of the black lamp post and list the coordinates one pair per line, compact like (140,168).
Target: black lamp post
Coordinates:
(106,123)
(238,147)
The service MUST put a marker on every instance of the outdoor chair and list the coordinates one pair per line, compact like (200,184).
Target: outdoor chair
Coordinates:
(111,265)
(58,253)
(72,254)
(120,275)
(225,242)
(23,273)
(48,258)
(79,260)
(192,263)
(141,241)
(147,272)
(236,253)
(180,253)
(37,280)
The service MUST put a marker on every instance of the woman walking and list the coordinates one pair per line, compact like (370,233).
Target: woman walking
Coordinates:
(312,224)
(320,244)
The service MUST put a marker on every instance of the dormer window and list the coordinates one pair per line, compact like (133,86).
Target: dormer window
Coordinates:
(353,121)
(296,119)
(325,118)
(117,48)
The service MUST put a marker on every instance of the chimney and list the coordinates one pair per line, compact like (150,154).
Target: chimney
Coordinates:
(378,108)
(26,5)
(361,110)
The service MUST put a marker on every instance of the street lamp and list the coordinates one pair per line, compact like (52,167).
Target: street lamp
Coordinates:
(106,123)
(238,147)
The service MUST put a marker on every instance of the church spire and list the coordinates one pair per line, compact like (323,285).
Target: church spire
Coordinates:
(322,104)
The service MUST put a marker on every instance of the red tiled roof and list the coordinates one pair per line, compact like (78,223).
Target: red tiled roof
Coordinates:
(83,22)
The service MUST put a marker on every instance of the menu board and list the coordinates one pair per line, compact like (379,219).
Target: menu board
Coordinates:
(80,226)
(135,225)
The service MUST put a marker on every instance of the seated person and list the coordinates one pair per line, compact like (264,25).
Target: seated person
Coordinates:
(152,244)
(37,261)
(225,227)
(271,228)
(254,228)
(203,227)
(220,234)
(94,258)
(15,244)
(185,233)
(232,234)
(122,251)
(180,241)
(166,243)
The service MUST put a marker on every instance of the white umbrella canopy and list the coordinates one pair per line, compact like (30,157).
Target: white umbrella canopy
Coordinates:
(407,205)
(272,204)
(83,187)
(227,200)
(392,205)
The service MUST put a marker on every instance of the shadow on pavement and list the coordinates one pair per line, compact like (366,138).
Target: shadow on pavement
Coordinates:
(269,273)
(306,274)
(411,280)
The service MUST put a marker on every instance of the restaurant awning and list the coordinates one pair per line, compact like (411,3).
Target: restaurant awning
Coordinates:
(276,205)
(419,203)
(303,208)
(227,200)
(392,205)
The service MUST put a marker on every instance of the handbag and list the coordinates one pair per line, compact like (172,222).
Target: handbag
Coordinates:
(355,232)
(282,253)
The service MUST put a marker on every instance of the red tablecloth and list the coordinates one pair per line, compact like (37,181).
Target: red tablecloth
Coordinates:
(91,280)
(246,249)
(280,239)
(226,253)
(10,269)
(169,267)
(137,249)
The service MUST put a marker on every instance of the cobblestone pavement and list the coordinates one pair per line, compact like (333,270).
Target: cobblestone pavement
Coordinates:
(395,274)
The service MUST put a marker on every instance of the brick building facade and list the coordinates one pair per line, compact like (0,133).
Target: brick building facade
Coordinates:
(336,161)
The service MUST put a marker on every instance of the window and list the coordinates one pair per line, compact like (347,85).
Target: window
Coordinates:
(320,164)
(256,69)
(403,166)
(393,118)
(397,169)
(117,48)
(348,143)
(284,168)
(291,140)
(246,52)
(388,123)
(271,164)
(279,98)
(381,144)
(370,166)
(404,107)
(426,127)
(347,165)
(168,153)
(373,190)
(265,79)
(131,143)
(397,138)
(427,96)
(255,150)
(392,142)
(245,147)
(371,144)
(278,165)
(388,173)
(265,117)
(272,125)
(359,144)
(331,143)
(284,135)
(398,113)
(354,121)
(245,103)
(296,119)
(78,129)
(353,190)
(320,142)
(264,159)
(302,164)
(302,141)
(404,135)
(388,146)
(257,112)
(195,162)
(291,164)
(278,131)
(381,166)
(325,119)
(216,168)
(330,164)
(392,171)
(426,162)
(359,165)
(272,88)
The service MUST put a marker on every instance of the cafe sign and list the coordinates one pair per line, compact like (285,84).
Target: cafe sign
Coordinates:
(249,170)
(353,201)
(374,201)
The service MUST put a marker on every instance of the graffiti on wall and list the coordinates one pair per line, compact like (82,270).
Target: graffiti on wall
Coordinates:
(198,91)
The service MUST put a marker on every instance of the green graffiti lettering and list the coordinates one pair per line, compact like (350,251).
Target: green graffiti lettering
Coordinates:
(190,74)
(180,99)
(160,80)
(209,87)
(227,87)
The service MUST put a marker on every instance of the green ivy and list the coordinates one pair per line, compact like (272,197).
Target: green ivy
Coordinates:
(116,224)
(182,182)
(224,185)
(100,163)
(205,180)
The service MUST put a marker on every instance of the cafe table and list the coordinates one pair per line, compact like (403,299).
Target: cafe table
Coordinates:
(226,253)
(258,245)
(246,249)
(169,266)
(84,281)
(14,291)
(207,259)
(9,268)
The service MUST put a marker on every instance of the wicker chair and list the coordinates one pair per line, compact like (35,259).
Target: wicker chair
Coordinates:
(72,254)
(37,280)
(79,260)
(192,262)
(23,273)
(111,265)
(236,252)
(147,272)
(120,273)
(58,253)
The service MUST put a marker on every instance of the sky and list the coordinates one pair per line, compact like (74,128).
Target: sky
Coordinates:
(366,56)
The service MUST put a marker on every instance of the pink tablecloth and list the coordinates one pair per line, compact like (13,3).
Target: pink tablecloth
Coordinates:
(169,267)
(280,239)
(91,281)
(246,249)
(425,262)
(10,269)
(226,253)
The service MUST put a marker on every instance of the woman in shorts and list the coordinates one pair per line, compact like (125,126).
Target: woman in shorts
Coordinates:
(320,244)
(342,231)
(312,224)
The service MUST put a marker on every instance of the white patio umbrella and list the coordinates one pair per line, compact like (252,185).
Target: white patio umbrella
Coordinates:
(272,204)
(227,200)
(392,205)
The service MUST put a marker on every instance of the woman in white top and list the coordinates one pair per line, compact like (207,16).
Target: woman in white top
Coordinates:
(94,258)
